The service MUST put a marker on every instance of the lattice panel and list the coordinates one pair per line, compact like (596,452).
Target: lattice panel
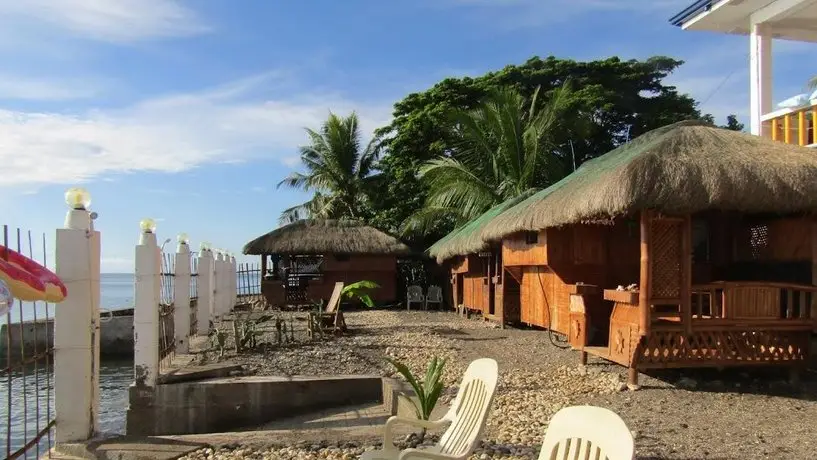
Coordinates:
(758,240)
(665,259)
(702,348)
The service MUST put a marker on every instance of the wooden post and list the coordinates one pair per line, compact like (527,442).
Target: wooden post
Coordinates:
(686,274)
(644,282)
(814,273)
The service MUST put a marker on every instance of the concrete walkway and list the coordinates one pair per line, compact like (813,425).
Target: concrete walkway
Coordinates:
(362,424)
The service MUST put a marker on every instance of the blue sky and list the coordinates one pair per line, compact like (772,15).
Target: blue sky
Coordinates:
(191,112)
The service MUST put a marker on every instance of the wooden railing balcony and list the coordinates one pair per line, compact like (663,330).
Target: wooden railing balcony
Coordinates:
(793,126)
(753,302)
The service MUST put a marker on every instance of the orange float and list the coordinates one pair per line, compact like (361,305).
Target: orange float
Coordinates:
(28,280)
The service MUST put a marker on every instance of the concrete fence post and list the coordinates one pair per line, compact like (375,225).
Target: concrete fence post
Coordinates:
(233,282)
(219,285)
(205,290)
(146,306)
(181,296)
(76,323)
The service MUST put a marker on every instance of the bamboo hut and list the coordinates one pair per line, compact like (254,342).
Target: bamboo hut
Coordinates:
(302,261)
(713,232)
(478,280)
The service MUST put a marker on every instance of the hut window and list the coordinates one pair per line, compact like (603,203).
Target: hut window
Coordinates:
(758,239)
(342,257)
(700,241)
(531,237)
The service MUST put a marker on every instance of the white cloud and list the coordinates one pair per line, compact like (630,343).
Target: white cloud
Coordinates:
(168,134)
(291,160)
(108,20)
(37,89)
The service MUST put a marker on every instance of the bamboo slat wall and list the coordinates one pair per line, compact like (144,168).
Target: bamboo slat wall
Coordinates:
(573,254)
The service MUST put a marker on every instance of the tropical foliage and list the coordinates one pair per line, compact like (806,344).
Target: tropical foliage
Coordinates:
(427,391)
(619,99)
(611,101)
(501,148)
(359,291)
(338,171)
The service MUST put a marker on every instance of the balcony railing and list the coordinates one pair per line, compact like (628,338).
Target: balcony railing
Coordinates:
(793,126)
(752,301)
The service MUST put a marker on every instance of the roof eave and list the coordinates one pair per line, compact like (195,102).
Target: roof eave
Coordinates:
(700,6)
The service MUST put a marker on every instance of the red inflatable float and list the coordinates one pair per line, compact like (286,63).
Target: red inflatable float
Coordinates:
(28,280)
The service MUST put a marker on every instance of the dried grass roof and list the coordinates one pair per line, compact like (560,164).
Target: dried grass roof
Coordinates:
(469,238)
(318,236)
(680,168)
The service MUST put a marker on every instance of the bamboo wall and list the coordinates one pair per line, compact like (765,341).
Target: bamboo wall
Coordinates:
(591,254)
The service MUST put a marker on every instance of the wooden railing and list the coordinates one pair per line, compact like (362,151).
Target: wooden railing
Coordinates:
(793,126)
(752,301)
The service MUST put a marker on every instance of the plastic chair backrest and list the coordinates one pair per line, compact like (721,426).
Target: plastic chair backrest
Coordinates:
(435,294)
(587,432)
(469,411)
(415,293)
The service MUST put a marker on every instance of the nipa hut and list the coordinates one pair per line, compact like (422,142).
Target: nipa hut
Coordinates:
(688,246)
(478,280)
(302,261)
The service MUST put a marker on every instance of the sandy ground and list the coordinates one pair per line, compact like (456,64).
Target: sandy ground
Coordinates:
(690,414)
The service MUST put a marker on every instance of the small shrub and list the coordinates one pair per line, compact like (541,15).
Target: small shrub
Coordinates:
(428,390)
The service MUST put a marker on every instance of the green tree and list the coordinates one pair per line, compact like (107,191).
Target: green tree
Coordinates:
(622,99)
(733,123)
(338,171)
(501,148)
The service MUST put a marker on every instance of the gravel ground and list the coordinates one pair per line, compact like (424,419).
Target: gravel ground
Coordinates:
(697,414)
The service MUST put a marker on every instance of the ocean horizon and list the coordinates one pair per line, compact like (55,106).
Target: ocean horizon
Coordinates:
(116,293)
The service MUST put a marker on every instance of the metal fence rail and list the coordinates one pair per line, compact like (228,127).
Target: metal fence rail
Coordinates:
(194,295)
(248,287)
(26,357)
(167,339)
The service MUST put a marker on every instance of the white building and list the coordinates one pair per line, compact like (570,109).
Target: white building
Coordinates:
(790,121)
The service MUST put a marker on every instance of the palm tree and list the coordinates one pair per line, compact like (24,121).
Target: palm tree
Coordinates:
(503,148)
(338,171)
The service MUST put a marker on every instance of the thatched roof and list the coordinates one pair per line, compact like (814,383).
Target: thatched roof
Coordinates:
(468,238)
(680,168)
(316,236)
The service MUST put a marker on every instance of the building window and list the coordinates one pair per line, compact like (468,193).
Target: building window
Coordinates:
(531,237)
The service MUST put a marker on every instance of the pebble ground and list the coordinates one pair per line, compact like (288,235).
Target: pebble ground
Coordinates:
(740,414)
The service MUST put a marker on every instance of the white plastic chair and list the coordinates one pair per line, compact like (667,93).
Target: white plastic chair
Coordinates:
(415,295)
(467,417)
(587,432)
(435,295)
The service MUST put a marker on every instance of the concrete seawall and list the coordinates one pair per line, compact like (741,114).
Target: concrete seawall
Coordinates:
(116,339)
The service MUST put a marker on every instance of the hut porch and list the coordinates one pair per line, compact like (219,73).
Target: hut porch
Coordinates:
(751,303)
(709,289)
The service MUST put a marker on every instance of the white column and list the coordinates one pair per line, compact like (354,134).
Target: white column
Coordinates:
(760,76)
(205,291)
(146,307)
(233,283)
(76,323)
(181,296)
(219,285)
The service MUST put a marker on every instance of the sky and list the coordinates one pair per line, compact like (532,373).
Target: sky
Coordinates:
(190,112)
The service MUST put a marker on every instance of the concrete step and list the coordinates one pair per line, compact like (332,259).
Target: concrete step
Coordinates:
(126,448)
